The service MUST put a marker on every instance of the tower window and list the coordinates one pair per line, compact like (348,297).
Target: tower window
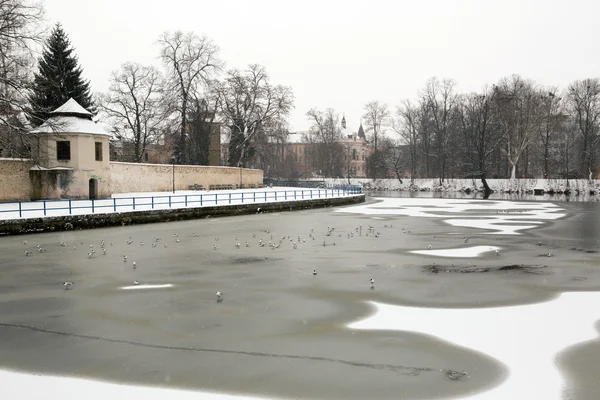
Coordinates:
(63,150)
(98,151)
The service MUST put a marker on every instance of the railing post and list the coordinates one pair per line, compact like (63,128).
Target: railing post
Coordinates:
(20,211)
(216,199)
(294,195)
(275,195)
(70,211)
(169,201)
(92,206)
(254,197)
(265,196)
(44,208)
(152,200)
(200,200)
(134,203)
(242,197)
(285,194)
(302,194)
(114,204)
(229,197)
(186,200)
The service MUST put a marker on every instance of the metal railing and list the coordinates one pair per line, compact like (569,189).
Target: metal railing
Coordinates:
(44,208)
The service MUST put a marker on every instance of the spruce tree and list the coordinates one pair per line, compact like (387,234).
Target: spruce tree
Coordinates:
(58,79)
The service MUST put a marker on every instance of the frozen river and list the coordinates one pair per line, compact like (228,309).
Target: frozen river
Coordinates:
(472,299)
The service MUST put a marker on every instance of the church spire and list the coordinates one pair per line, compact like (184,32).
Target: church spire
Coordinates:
(361,131)
(344,122)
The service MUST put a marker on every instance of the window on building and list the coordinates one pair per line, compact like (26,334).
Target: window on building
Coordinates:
(63,150)
(354,154)
(98,151)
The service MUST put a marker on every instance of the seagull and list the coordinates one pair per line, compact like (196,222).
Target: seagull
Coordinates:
(25,242)
(67,285)
(136,283)
(539,243)
(165,245)
(103,251)
(247,244)
(124,258)
(177,240)
(90,255)
(214,246)
(466,240)
(372,283)
(429,247)
(134,265)
(153,244)
(194,234)
(141,243)
(63,244)
(550,254)
(324,243)
(314,272)
(497,252)
(295,246)
(216,239)
(91,246)
(28,253)
(219,296)
(237,245)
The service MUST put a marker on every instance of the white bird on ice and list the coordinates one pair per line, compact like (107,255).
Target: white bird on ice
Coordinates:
(314,272)
(219,296)
(372,283)
(67,285)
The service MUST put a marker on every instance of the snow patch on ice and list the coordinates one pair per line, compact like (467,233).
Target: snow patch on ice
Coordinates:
(136,287)
(28,386)
(501,217)
(464,252)
(526,338)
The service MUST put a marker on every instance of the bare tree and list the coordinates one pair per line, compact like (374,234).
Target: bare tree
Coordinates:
(326,151)
(133,102)
(406,125)
(480,132)
(520,113)
(440,100)
(552,121)
(21,30)
(191,62)
(583,98)
(376,117)
(248,103)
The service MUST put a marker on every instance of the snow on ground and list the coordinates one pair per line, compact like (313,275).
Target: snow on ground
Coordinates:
(125,202)
(526,338)
(462,252)
(455,185)
(28,386)
(509,218)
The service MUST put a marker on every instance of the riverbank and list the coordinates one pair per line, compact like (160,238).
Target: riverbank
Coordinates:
(548,186)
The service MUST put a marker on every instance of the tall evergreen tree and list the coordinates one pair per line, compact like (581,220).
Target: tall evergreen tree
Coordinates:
(58,78)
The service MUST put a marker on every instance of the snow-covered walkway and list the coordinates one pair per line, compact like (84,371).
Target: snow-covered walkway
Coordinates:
(126,202)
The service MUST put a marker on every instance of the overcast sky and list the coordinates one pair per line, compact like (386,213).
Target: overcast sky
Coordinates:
(342,54)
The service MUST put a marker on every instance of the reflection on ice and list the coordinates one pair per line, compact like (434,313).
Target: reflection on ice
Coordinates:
(525,338)
(465,252)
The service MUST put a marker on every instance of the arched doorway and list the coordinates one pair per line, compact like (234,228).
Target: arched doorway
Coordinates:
(93,186)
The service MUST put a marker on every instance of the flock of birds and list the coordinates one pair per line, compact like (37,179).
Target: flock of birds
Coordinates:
(272,243)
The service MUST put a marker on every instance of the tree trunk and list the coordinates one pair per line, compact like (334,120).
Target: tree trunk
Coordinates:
(513,170)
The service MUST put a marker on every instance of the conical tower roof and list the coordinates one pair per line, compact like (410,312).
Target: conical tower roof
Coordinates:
(72,109)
